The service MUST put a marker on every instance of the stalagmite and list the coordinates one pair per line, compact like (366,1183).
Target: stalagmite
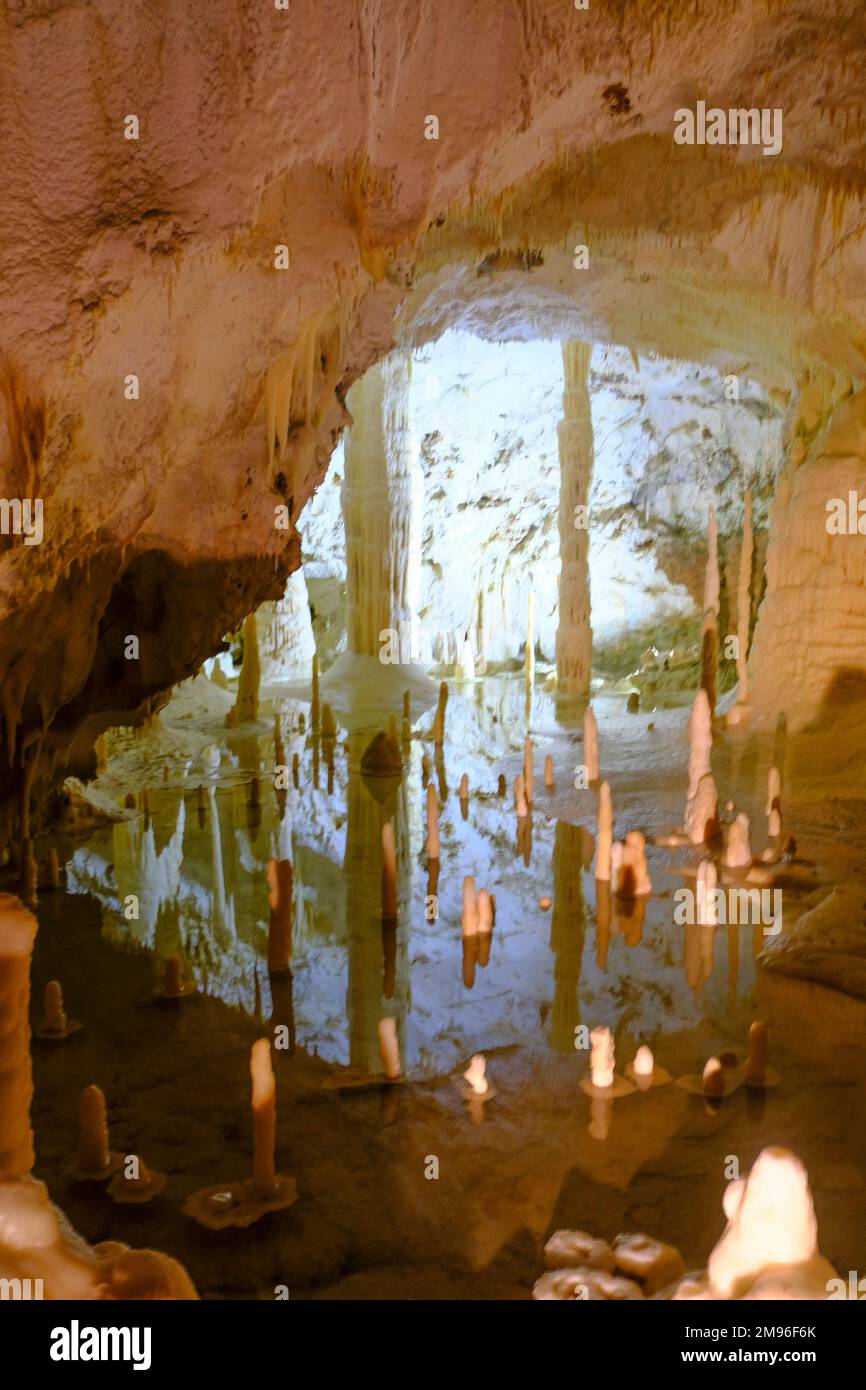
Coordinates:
(714,1078)
(389,872)
(463,791)
(756,1072)
(55,1019)
(605,833)
(94,1160)
(242,1203)
(549,780)
(602,1057)
(101,751)
(17,935)
(774,789)
(574,633)
(389,1049)
(520,803)
(744,602)
(644,1062)
(706,914)
(590,744)
(484,905)
(476,1075)
(738,853)
(528,768)
(432,822)
(471,915)
(381,504)
(264,1104)
(701,816)
(769,1248)
(701,801)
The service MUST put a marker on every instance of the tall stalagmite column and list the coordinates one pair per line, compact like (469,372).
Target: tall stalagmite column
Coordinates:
(574,634)
(381,502)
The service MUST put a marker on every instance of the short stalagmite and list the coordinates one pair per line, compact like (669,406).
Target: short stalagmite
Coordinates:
(702,811)
(471,917)
(738,852)
(94,1160)
(549,779)
(389,1049)
(590,744)
(528,767)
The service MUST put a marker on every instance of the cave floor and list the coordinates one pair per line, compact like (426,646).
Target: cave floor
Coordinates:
(368,1223)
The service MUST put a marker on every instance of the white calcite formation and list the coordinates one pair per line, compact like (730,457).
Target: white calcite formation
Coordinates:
(381,504)
(769,1248)
(602,1058)
(574,633)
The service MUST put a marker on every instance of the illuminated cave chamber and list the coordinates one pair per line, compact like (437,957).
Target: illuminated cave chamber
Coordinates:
(575,478)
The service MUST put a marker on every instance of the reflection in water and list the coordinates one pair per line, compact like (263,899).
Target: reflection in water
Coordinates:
(246,879)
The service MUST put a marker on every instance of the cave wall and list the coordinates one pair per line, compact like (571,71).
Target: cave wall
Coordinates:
(809,650)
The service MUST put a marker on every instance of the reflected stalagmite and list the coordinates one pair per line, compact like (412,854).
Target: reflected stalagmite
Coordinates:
(605,833)
(710,626)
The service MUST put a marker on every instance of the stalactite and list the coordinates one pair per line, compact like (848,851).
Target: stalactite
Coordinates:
(574,633)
